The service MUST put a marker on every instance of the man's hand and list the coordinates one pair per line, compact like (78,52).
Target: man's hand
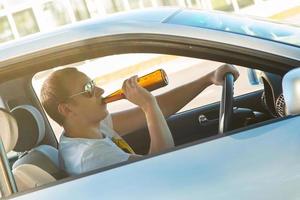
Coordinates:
(137,94)
(217,76)
(160,134)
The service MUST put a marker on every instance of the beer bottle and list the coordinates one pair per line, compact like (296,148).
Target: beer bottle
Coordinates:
(151,81)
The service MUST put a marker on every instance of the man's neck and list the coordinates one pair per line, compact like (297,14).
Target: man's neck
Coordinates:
(79,130)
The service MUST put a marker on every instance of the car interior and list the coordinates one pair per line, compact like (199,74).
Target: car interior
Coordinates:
(203,122)
(34,147)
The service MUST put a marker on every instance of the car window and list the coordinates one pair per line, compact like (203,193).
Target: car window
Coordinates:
(111,71)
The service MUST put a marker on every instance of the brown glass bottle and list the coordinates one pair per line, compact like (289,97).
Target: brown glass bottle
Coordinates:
(151,81)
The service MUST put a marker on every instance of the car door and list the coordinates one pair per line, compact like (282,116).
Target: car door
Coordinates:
(259,163)
(202,122)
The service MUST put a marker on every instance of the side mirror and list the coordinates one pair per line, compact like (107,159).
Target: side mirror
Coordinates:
(291,91)
(253,77)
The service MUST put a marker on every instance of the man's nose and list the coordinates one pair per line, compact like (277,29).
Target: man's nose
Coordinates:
(98,91)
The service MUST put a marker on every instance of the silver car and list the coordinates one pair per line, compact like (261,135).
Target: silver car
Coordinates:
(240,142)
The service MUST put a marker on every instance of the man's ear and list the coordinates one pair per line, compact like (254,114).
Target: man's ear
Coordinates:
(64,109)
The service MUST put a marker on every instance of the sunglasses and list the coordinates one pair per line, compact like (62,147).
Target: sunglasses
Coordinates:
(89,90)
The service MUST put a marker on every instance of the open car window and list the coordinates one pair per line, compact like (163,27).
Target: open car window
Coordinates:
(111,71)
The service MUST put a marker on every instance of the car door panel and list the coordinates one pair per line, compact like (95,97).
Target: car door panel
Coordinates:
(260,163)
(186,127)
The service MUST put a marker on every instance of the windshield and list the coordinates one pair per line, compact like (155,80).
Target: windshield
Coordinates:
(241,25)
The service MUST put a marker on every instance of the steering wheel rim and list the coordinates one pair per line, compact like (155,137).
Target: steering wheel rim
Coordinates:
(226,104)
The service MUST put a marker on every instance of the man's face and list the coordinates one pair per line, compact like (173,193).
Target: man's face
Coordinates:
(90,109)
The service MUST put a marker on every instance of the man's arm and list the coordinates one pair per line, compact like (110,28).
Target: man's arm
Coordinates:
(170,102)
(160,134)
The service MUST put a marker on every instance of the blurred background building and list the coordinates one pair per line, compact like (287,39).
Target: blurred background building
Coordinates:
(19,18)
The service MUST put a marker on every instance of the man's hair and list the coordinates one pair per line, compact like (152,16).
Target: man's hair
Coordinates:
(55,90)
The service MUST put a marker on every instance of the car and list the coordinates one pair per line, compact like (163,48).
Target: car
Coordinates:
(240,141)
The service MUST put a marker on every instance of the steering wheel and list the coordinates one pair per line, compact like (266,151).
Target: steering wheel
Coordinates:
(226,105)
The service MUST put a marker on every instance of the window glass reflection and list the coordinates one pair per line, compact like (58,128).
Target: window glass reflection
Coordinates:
(25,22)
(1,6)
(55,14)
(112,6)
(13,3)
(193,3)
(147,3)
(134,4)
(245,3)
(224,5)
(5,30)
(95,7)
(167,2)
(80,9)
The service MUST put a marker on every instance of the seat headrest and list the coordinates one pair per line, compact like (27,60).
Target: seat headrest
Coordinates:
(8,130)
(31,126)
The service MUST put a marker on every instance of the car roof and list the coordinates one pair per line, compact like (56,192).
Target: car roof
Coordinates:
(163,21)
(244,25)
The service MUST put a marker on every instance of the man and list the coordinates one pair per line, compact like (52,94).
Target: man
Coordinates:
(92,137)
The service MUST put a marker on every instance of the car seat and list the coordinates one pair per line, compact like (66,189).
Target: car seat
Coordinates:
(31,128)
(25,175)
